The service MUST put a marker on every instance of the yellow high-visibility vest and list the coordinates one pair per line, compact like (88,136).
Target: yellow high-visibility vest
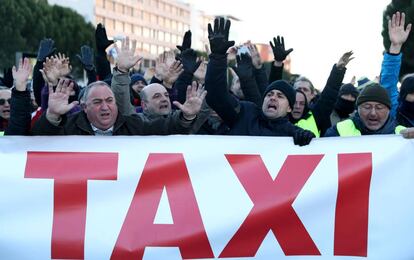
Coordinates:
(309,124)
(347,128)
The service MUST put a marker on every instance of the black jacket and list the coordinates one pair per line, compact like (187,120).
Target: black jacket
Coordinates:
(78,124)
(243,118)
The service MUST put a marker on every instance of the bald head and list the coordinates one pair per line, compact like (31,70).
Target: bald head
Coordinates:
(155,100)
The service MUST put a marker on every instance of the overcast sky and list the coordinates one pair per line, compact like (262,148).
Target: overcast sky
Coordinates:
(318,30)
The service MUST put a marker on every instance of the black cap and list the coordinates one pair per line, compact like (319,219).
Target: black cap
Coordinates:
(284,87)
(348,89)
(374,92)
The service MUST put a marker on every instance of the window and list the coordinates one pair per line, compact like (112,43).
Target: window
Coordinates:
(153,19)
(146,32)
(138,30)
(146,47)
(167,37)
(154,49)
(161,36)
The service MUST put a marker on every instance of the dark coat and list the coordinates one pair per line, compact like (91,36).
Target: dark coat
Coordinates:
(78,124)
(243,118)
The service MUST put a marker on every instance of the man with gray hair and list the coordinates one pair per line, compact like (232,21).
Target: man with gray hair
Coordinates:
(100,114)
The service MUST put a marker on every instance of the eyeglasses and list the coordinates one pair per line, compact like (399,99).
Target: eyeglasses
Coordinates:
(3,101)
(369,108)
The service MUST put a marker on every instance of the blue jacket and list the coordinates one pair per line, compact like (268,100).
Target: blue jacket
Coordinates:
(390,71)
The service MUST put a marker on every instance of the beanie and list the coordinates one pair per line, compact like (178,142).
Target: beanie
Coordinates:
(284,87)
(348,89)
(137,77)
(407,87)
(374,92)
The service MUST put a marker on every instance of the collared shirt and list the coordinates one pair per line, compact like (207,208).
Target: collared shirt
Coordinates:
(97,131)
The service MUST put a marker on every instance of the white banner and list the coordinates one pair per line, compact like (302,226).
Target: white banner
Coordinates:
(206,197)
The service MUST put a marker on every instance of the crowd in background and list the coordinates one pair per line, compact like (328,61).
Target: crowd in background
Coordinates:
(229,93)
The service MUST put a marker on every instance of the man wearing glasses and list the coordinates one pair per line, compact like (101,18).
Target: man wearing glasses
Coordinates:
(373,117)
(5,97)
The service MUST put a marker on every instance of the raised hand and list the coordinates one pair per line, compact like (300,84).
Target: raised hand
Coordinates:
(126,55)
(167,68)
(278,48)
(255,55)
(344,60)
(55,68)
(63,64)
(398,35)
(244,69)
(45,49)
(101,38)
(86,57)
(173,72)
(22,74)
(200,73)
(193,102)
(59,99)
(189,60)
(219,37)
(186,42)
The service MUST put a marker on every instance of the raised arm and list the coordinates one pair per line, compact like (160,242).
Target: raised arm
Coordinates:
(325,104)
(244,71)
(120,81)
(20,107)
(103,67)
(391,63)
(280,54)
(86,58)
(218,97)
(259,70)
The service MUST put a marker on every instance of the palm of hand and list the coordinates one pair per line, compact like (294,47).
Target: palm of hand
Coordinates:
(200,73)
(192,105)
(398,35)
(58,103)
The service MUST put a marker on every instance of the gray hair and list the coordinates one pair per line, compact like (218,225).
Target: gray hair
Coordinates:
(90,86)
(305,79)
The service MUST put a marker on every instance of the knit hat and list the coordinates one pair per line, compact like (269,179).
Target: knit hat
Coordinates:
(284,87)
(374,92)
(137,77)
(363,82)
(348,89)
(407,87)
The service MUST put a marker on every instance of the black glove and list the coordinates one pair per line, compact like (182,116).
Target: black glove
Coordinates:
(189,60)
(302,137)
(45,49)
(8,78)
(101,38)
(186,42)
(244,67)
(86,57)
(279,49)
(219,38)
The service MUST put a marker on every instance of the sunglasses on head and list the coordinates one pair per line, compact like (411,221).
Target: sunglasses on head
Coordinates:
(3,101)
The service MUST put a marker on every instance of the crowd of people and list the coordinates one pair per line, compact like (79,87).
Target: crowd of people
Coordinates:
(230,93)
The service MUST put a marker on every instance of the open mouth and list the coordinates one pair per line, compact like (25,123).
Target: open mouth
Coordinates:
(272,107)
(163,106)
